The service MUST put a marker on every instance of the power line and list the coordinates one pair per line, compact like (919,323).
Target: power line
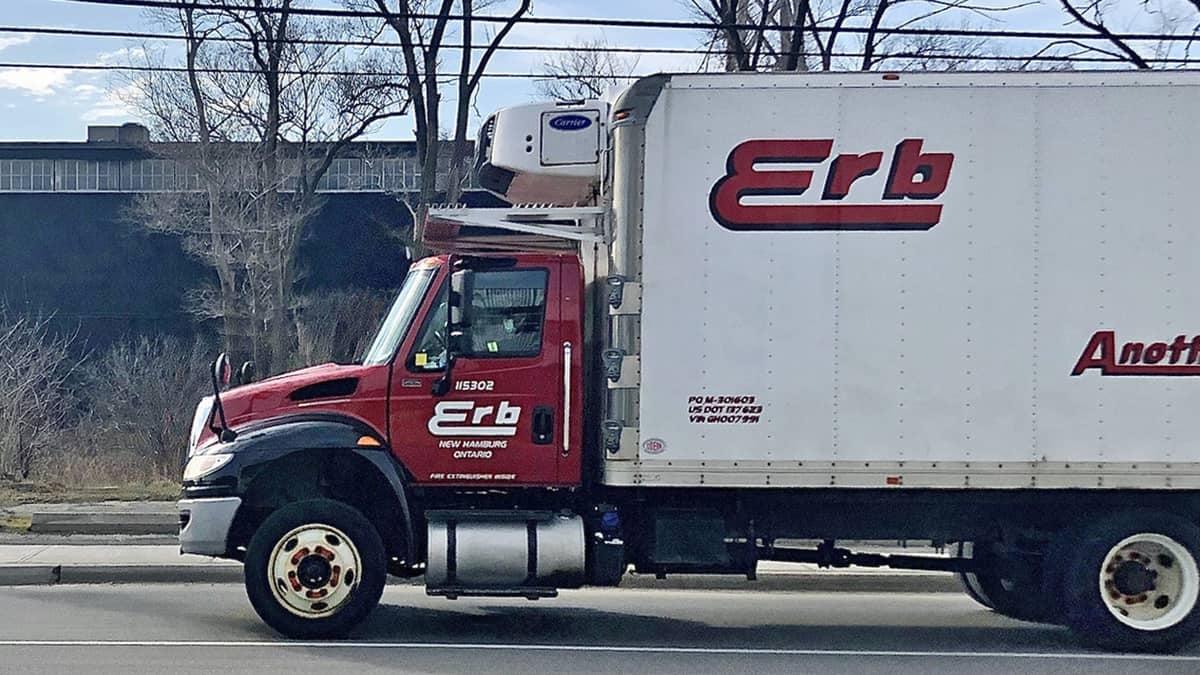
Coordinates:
(646,23)
(879,58)
(103,67)
(141,35)
(683,51)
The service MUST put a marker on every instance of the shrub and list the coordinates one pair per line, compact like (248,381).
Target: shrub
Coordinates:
(36,367)
(142,393)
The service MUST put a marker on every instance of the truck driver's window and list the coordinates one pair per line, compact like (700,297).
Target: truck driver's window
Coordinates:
(429,352)
(507,309)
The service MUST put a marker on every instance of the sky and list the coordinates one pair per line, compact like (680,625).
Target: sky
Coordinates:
(58,105)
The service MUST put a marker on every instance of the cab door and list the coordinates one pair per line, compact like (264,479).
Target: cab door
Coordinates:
(501,420)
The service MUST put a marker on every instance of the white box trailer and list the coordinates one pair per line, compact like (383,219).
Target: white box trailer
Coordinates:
(813,313)
(951,306)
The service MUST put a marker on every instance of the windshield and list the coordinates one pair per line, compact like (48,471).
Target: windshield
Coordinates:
(397,321)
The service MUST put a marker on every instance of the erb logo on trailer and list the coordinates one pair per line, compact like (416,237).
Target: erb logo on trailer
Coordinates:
(765,177)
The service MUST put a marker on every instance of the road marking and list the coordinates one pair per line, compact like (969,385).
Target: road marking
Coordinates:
(650,649)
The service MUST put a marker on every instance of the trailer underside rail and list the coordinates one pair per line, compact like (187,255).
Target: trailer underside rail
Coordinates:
(828,555)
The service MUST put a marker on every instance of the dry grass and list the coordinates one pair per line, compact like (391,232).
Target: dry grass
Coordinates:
(20,524)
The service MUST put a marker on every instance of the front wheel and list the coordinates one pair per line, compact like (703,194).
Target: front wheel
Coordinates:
(315,569)
(1133,583)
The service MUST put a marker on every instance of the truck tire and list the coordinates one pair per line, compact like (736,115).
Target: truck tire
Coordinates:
(1020,599)
(1133,583)
(315,569)
(970,580)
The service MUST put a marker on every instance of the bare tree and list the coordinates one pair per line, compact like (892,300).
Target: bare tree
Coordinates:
(258,117)
(586,70)
(1164,18)
(800,35)
(35,377)
(423,42)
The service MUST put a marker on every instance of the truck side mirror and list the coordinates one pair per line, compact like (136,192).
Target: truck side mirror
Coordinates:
(222,372)
(246,373)
(462,284)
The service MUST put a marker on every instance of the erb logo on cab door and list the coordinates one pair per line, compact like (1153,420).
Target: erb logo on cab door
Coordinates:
(913,176)
(464,418)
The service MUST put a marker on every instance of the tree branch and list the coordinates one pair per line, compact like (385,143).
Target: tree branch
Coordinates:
(1099,28)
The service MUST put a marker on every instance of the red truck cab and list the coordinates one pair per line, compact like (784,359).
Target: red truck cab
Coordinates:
(504,418)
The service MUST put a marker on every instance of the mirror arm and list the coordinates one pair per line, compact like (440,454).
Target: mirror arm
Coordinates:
(225,434)
(441,386)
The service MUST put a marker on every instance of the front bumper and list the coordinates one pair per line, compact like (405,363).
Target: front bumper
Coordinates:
(204,524)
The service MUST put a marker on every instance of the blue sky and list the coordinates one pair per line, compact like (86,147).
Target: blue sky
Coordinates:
(59,104)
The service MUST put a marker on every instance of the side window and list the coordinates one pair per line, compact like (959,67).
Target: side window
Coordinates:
(507,310)
(429,351)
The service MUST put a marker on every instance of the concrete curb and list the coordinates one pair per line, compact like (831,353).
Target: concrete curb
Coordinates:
(150,574)
(29,575)
(103,523)
(43,575)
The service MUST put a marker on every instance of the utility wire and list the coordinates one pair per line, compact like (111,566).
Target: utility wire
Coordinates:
(880,58)
(607,49)
(252,71)
(645,23)
(134,35)
(141,35)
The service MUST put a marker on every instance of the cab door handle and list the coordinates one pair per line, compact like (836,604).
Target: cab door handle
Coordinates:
(543,425)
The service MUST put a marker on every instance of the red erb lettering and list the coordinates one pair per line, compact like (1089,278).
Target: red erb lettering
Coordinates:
(743,179)
(917,175)
(848,168)
(748,173)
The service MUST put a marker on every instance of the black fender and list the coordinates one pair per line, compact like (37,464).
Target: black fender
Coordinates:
(261,444)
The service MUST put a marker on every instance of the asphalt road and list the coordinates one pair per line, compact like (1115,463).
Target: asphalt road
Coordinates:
(211,628)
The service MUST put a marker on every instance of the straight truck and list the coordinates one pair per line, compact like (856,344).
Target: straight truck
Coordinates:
(728,313)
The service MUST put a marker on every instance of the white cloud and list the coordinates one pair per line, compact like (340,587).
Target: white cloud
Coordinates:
(123,56)
(37,81)
(106,113)
(112,104)
(7,42)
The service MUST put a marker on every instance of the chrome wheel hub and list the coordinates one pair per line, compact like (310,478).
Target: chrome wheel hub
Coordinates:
(1149,581)
(314,570)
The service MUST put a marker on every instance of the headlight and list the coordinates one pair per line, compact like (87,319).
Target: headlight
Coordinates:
(199,420)
(202,465)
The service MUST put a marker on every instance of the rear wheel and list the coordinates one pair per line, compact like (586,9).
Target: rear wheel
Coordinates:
(315,569)
(1012,588)
(1133,583)
(970,580)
